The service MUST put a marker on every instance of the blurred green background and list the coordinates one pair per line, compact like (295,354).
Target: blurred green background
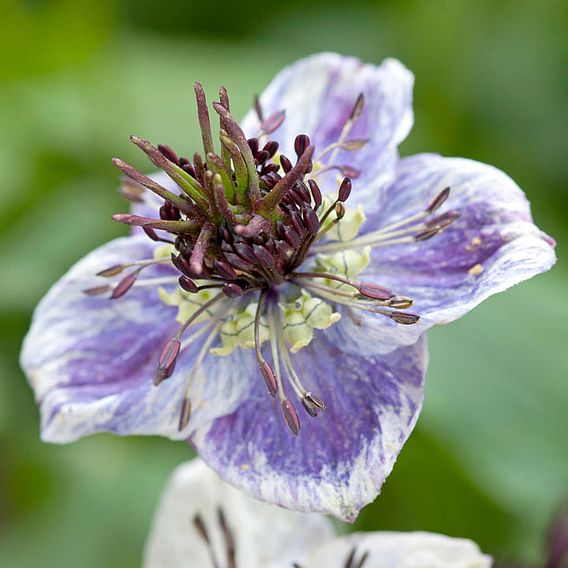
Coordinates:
(489,459)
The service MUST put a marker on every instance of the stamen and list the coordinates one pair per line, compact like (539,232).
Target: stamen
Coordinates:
(228,538)
(265,368)
(125,284)
(185,412)
(290,416)
(354,115)
(201,529)
(170,352)
(272,123)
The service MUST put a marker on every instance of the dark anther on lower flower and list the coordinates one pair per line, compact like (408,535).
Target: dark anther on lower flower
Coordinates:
(228,540)
(353,561)
(248,228)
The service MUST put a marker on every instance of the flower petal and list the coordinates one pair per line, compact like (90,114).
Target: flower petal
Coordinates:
(401,550)
(340,459)
(90,360)
(318,94)
(491,247)
(264,535)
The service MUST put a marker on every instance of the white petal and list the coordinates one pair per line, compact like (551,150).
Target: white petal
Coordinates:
(401,550)
(265,535)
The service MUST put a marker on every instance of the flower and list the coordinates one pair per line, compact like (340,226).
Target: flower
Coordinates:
(304,253)
(201,521)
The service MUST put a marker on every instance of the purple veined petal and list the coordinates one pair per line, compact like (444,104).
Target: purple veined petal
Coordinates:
(319,93)
(340,459)
(266,536)
(401,550)
(492,246)
(90,360)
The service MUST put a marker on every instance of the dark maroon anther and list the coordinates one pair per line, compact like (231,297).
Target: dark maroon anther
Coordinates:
(97,290)
(311,220)
(269,378)
(271,147)
(283,249)
(224,270)
(269,181)
(404,318)
(111,271)
(238,262)
(188,168)
(316,193)
(439,200)
(168,153)
(301,189)
(344,189)
(263,255)
(309,167)
(286,163)
(233,290)
(444,220)
(185,414)
(180,263)
(253,145)
(261,157)
(124,285)
(301,142)
(258,108)
(245,251)
(296,197)
(312,404)
(188,284)
(151,233)
(428,234)
(357,107)
(273,122)
(291,237)
(200,527)
(374,291)
(291,416)
(168,212)
(167,361)
(309,408)
(297,222)
(269,168)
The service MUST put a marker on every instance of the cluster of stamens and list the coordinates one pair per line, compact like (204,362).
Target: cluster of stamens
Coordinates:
(241,223)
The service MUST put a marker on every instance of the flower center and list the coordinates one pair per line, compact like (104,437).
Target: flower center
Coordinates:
(262,255)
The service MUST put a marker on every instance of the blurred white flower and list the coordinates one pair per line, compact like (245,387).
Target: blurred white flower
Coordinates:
(202,522)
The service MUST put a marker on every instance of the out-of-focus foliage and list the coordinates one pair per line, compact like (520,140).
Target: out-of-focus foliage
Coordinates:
(489,459)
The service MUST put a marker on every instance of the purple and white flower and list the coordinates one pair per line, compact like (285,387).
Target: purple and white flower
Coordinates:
(203,522)
(299,253)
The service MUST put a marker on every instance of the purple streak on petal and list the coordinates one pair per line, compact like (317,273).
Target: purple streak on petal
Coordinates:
(339,460)
(492,246)
(90,360)
(318,94)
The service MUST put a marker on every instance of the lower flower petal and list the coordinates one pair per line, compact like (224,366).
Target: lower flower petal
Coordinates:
(90,360)
(339,461)
(264,535)
(401,550)
(492,246)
